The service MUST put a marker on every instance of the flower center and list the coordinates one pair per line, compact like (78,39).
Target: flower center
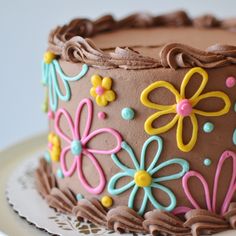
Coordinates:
(184,108)
(50,146)
(48,57)
(100,90)
(142,178)
(76,147)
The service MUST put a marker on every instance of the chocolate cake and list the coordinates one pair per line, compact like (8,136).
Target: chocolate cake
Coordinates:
(142,123)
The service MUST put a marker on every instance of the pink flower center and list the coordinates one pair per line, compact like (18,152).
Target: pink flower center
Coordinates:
(184,108)
(100,90)
(50,145)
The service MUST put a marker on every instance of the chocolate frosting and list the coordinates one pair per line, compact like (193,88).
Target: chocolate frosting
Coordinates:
(91,210)
(61,200)
(182,56)
(203,222)
(78,49)
(123,219)
(157,222)
(71,43)
(44,178)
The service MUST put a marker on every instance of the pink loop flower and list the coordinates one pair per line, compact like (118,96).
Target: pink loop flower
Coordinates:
(77,145)
(211,202)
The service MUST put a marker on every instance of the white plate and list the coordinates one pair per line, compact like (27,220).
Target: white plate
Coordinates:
(10,222)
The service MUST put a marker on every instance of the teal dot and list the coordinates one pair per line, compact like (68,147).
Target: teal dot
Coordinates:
(234,137)
(127,113)
(208,127)
(79,196)
(60,174)
(76,147)
(207,162)
(47,157)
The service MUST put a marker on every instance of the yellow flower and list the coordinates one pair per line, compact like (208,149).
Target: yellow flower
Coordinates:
(54,145)
(101,90)
(184,107)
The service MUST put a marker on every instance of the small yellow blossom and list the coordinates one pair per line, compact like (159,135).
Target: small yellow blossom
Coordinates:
(54,145)
(101,90)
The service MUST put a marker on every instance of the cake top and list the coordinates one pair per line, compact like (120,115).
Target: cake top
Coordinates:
(141,41)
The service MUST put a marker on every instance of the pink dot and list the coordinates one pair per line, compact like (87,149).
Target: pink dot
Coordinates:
(230,82)
(50,145)
(184,108)
(100,90)
(102,115)
(50,115)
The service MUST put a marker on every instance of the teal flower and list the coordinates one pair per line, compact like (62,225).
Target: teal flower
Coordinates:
(143,178)
(52,73)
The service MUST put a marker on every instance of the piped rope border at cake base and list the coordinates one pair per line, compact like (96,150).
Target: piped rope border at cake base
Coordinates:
(124,219)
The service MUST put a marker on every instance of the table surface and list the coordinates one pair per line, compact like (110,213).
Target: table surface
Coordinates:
(10,223)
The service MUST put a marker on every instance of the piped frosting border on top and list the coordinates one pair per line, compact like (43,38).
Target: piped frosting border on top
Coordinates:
(71,43)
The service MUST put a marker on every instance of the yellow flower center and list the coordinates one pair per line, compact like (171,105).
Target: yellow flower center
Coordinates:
(48,57)
(142,178)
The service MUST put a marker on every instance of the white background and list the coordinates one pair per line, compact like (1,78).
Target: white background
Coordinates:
(24,27)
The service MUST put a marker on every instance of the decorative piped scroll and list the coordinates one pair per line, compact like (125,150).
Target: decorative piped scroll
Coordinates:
(158,222)
(91,210)
(184,107)
(177,55)
(44,178)
(71,43)
(61,200)
(102,90)
(52,73)
(211,201)
(123,219)
(142,176)
(77,145)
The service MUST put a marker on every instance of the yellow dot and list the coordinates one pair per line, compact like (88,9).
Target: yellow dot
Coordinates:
(142,178)
(55,155)
(56,141)
(50,137)
(48,57)
(107,201)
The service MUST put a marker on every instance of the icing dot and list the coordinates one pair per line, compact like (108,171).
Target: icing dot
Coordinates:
(230,82)
(50,115)
(102,115)
(79,196)
(107,201)
(207,162)
(184,108)
(60,174)
(208,127)
(76,147)
(235,107)
(142,178)
(127,113)
(50,146)
(234,137)
(100,90)
(48,57)
(47,157)
(44,107)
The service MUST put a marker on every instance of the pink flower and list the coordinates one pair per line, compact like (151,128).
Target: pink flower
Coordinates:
(211,202)
(77,145)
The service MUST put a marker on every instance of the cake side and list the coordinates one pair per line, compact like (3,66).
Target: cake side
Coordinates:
(146,138)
